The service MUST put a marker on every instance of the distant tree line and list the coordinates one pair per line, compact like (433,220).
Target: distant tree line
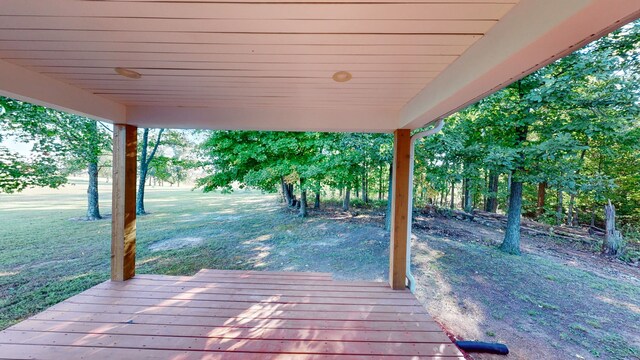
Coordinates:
(63,144)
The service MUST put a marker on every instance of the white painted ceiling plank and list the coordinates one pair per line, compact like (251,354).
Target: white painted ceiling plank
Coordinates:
(251,26)
(140,65)
(246,11)
(233,38)
(200,81)
(276,49)
(253,58)
(79,72)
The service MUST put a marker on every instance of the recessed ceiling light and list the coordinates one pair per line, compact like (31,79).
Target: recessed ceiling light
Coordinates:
(128,73)
(342,76)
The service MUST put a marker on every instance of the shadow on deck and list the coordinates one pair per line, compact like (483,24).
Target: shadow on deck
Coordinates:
(228,314)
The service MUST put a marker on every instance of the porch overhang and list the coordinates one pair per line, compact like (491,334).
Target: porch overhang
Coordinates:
(268,65)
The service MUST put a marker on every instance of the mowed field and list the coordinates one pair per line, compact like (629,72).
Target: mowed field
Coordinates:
(550,303)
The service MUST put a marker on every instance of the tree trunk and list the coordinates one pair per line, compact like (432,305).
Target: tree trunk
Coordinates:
(303,200)
(492,196)
(291,198)
(380,185)
(93,207)
(511,243)
(144,168)
(613,238)
(463,191)
(364,182)
(542,193)
(453,188)
(141,185)
(282,191)
(365,187)
(316,205)
(143,172)
(570,214)
(387,218)
(346,200)
(467,206)
(286,194)
(485,198)
(357,187)
(509,178)
(559,207)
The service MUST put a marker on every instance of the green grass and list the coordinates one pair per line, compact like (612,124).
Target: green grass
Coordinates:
(46,256)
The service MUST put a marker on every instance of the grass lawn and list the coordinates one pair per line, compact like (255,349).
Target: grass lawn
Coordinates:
(544,305)
(47,254)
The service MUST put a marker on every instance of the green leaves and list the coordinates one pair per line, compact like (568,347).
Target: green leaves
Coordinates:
(18,173)
(62,143)
(263,159)
(573,124)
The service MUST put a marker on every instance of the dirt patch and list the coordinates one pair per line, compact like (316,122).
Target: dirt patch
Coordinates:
(176,243)
(550,303)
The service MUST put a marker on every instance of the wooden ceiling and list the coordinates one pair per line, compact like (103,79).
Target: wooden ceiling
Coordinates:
(258,64)
(245,53)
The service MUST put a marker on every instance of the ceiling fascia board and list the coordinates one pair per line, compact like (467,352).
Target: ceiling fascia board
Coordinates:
(534,34)
(365,119)
(23,84)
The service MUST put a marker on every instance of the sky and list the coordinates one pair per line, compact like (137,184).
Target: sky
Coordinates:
(17,147)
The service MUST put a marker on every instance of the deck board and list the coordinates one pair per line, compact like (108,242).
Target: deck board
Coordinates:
(292,307)
(204,289)
(232,315)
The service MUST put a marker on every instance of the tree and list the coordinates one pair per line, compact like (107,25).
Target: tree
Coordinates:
(265,160)
(17,172)
(612,244)
(65,141)
(145,160)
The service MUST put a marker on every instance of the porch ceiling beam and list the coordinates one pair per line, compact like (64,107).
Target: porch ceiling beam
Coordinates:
(352,119)
(23,84)
(532,35)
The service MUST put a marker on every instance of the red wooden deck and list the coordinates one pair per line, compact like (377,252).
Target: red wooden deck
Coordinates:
(219,314)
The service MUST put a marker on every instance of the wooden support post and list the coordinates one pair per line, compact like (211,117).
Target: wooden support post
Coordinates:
(399,209)
(123,221)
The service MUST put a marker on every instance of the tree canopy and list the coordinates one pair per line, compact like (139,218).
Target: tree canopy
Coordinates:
(62,143)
